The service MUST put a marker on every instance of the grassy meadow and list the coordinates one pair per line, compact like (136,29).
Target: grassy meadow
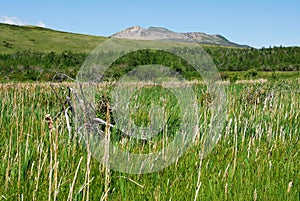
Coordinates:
(23,38)
(257,157)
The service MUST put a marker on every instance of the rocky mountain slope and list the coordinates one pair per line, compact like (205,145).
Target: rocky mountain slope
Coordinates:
(159,33)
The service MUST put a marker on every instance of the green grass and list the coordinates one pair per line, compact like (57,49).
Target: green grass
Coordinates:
(269,75)
(19,38)
(256,159)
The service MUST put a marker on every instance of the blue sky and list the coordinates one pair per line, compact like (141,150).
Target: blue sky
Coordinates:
(256,23)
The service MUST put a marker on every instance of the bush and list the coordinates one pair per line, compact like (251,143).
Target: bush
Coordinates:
(251,73)
(233,78)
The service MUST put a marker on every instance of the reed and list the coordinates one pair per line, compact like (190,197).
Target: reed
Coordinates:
(256,158)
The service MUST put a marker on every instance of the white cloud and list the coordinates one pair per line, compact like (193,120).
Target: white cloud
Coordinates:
(41,24)
(11,20)
(17,21)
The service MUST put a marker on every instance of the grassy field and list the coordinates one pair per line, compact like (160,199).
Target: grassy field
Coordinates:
(257,157)
(253,74)
(19,38)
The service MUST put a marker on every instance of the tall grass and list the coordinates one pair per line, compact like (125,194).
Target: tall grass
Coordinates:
(257,157)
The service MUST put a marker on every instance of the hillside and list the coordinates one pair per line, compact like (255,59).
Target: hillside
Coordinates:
(15,38)
(19,38)
(215,39)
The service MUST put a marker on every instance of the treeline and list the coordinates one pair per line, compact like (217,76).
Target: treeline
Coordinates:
(31,65)
(264,59)
(39,66)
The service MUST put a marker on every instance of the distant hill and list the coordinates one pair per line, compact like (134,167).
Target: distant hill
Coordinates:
(18,38)
(212,39)
(160,33)
(15,38)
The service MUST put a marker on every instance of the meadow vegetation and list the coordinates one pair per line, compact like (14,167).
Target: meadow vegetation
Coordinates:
(257,157)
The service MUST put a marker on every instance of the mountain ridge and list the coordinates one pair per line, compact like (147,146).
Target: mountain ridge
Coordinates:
(157,33)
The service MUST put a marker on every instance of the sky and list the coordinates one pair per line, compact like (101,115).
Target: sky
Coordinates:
(258,23)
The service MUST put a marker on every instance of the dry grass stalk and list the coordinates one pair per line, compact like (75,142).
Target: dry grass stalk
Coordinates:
(51,162)
(201,156)
(53,166)
(70,197)
(236,146)
(88,170)
(56,163)
(7,174)
(40,168)
(106,155)
(290,186)
(255,195)
(226,190)
(225,175)
(68,123)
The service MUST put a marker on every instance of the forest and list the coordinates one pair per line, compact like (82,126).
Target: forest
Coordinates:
(42,66)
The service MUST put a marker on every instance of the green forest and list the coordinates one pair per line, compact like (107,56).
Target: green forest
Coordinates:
(42,66)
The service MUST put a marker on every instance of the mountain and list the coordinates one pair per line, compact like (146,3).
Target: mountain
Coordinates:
(160,33)
(15,38)
(151,33)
